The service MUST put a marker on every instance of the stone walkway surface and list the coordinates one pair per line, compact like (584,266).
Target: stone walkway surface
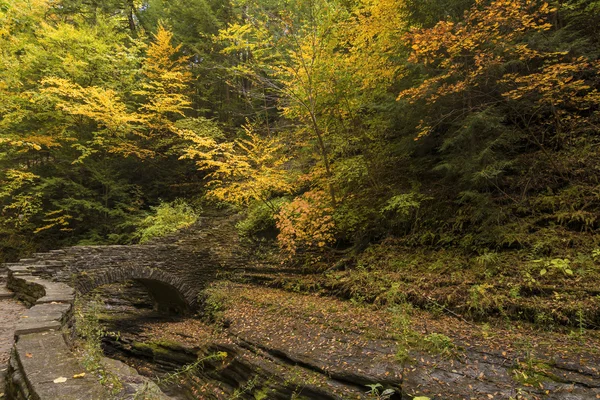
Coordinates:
(10,313)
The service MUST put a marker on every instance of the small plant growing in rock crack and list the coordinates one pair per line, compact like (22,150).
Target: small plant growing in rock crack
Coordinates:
(404,334)
(191,369)
(185,373)
(89,342)
(579,333)
(528,370)
(148,392)
(376,391)
(439,344)
(249,387)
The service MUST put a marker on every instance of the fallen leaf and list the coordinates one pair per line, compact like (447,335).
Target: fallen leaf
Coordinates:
(61,379)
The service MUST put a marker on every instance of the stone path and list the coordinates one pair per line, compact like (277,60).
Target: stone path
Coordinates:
(10,313)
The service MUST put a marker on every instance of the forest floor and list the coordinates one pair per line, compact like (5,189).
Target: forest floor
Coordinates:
(548,292)
(343,346)
(436,323)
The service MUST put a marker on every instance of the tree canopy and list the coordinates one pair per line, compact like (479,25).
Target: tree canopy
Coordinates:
(471,124)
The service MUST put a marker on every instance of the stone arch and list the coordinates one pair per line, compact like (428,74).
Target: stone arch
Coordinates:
(169,292)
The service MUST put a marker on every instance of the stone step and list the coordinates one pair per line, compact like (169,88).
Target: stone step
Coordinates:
(19,269)
(42,318)
(5,293)
(57,251)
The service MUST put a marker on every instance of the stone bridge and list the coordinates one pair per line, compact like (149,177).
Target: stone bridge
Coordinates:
(173,269)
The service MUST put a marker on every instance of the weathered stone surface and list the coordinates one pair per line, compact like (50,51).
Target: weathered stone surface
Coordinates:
(19,270)
(42,318)
(135,386)
(35,290)
(44,357)
(40,354)
(5,293)
(10,311)
(56,292)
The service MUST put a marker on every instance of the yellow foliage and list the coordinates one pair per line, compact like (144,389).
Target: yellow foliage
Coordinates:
(22,204)
(373,36)
(57,218)
(167,81)
(243,170)
(18,11)
(103,106)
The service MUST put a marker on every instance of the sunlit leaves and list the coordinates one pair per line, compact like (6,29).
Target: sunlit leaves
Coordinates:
(104,106)
(20,204)
(306,222)
(249,168)
(167,81)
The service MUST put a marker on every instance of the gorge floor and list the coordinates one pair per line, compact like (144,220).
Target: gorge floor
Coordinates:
(285,345)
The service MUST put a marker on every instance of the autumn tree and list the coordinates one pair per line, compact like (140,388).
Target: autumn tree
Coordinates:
(249,168)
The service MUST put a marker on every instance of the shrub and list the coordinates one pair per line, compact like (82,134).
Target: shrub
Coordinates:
(260,219)
(306,222)
(166,218)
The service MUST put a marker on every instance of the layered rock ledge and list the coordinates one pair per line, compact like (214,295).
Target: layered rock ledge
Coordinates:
(42,365)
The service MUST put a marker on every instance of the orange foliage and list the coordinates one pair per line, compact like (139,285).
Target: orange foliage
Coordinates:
(467,53)
(468,58)
(307,222)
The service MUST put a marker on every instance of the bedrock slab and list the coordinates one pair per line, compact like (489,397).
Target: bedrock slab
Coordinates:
(43,358)
(42,318)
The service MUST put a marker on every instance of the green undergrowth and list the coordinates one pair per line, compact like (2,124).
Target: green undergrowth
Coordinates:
(553,290)
(166,218)
(88,343)
(215,301)
(409,339)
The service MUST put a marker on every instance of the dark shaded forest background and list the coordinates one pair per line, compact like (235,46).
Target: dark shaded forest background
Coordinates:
(335,126)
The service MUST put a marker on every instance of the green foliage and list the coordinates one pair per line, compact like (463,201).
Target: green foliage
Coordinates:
(556,264)
(481,299)
(165,219)
(439,344)
(454,125)
(186,374)
(259,221)
(89,343)
(188,371)
(402,204)
(215,302)
(376,391)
